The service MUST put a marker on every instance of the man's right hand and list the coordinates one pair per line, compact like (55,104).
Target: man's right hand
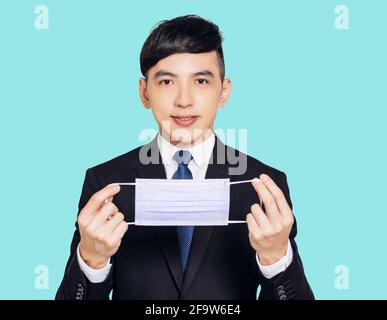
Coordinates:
(102,227)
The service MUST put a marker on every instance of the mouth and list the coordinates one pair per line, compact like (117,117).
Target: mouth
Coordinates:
(184,121)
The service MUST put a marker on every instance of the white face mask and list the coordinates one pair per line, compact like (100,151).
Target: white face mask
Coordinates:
(185,202)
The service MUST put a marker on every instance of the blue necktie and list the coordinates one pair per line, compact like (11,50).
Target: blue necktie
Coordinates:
(184,233)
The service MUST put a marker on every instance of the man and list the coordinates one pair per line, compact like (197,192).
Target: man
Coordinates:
(184,85)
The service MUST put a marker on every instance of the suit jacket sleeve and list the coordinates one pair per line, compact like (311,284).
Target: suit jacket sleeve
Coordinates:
(292,283)
(75,285)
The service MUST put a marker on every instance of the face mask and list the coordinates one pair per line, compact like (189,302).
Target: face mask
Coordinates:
(186,202)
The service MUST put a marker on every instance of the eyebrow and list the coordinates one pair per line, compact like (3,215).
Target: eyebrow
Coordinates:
(161,73)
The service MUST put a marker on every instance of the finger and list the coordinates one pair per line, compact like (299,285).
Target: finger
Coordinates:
(261,219)
(278,195)
(252,225)
(268,200)
(108,200)
(97,199)
(119,231)
(111,224)
(103,214)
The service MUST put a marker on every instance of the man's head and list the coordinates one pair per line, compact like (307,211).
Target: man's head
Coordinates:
(184,78)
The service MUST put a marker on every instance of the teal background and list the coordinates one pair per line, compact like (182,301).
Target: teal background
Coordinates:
(312,98)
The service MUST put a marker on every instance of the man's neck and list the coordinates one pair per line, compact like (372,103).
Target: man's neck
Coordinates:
(189,144)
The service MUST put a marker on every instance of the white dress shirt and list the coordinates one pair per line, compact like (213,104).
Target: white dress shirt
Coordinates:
(201,154)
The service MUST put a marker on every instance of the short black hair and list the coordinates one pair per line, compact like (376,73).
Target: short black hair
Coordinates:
(184,34)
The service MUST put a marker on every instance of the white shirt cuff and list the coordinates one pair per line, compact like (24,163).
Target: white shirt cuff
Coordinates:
(278,267)
(94,275)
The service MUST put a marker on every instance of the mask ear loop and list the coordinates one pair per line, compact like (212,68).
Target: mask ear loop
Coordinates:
(238,182)
(245,181)
(126,184)
(231,183)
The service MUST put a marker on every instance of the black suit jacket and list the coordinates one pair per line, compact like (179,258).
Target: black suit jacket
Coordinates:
(221,265)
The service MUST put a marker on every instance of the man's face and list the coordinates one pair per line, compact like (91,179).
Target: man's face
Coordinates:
(184,91)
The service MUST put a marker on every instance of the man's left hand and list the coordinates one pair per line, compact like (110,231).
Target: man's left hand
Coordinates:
(269,232)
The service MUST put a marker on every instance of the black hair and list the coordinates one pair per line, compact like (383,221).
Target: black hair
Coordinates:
(184,34)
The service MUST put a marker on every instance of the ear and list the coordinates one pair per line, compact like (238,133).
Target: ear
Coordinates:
(142,86)
(225,94)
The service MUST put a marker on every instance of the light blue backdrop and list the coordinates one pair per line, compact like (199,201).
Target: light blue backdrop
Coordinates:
(312,97)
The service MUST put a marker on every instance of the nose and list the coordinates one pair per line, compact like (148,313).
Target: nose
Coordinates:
(184,97)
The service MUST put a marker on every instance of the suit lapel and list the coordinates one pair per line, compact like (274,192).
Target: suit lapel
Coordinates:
(217,169)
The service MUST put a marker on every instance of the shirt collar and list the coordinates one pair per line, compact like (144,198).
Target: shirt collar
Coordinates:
(201,152)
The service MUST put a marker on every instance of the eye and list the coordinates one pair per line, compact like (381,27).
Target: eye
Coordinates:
(165,82)
(201,81)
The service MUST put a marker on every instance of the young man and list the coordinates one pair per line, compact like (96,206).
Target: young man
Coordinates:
(184,84)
